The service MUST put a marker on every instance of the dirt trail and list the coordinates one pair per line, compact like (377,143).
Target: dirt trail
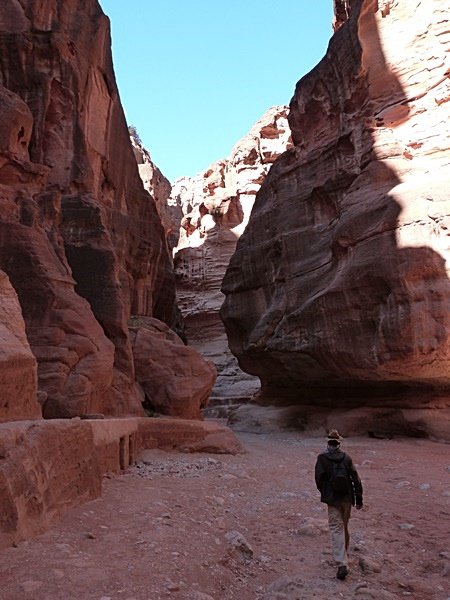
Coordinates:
(248,527)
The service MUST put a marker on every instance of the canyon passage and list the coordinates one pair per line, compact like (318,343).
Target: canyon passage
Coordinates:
(173,353)
(247,527)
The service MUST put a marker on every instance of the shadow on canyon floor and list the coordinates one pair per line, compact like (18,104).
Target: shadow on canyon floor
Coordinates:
(248,527)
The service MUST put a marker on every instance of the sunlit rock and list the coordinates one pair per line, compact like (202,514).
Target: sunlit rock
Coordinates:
(216,205)
(339,289)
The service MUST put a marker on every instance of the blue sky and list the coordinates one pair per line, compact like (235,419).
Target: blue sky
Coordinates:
(194,75)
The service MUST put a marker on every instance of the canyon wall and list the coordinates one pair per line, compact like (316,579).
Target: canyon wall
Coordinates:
(157,184)
(18,367)
(338,292)
(80,239)
(214,208)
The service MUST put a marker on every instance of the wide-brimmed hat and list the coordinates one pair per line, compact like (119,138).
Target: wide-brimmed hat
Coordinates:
(333,434)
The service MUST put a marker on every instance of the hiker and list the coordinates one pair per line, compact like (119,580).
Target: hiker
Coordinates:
(340,487)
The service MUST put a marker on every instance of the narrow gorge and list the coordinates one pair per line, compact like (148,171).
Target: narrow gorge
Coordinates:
(299,283)
(203,217)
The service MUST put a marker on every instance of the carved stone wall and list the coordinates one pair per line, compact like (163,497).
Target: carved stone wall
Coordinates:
(18,367)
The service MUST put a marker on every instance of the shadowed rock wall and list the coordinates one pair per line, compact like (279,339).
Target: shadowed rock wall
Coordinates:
(338,291)
(18,368)
(80,239)
(160,188)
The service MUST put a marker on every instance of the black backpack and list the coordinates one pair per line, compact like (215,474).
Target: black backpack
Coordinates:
(339,479)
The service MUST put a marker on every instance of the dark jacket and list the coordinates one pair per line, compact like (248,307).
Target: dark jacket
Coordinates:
(323,474)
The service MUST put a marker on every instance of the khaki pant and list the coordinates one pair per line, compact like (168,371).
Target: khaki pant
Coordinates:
(338,517)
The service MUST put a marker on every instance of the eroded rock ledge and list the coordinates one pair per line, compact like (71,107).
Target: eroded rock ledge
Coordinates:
(350,304)
(47,467)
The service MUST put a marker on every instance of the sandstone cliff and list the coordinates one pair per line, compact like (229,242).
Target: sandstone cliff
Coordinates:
(215,206)
(339,286)
(80,239)
(157,184)
(175,379)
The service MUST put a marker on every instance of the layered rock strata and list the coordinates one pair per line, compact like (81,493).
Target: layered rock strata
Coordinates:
(80,239)
(216,205)
(339,291)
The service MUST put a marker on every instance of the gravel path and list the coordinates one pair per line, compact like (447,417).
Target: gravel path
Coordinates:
(248,527)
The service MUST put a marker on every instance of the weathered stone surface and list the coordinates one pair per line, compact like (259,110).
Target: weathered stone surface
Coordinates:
(175,379)
(339,287)
(45,467)
(160,188)
(188,436)
(216,205)
(341,12)
(380,422)
(48,467)
(18,367)
(80,239)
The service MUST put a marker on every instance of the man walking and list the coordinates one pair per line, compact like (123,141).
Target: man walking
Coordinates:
(340,487)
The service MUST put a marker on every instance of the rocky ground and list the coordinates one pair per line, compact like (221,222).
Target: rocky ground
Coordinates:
(247,527)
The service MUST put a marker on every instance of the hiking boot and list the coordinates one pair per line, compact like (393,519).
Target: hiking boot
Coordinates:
(342,572)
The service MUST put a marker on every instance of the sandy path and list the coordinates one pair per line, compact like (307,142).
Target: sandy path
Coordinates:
(167,529)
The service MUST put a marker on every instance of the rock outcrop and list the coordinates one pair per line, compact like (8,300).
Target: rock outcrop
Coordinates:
(80,239)
(18,367)
(157,184)
(216,205)
(175,379)
(339,292)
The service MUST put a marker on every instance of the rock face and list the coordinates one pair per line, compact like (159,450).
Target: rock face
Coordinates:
(80,239)
(175,379)
(339,289)
(160,188)
(48,467)
(45,468)
(216,205)
(18,367)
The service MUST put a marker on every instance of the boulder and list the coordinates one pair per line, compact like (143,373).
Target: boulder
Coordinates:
(175,379)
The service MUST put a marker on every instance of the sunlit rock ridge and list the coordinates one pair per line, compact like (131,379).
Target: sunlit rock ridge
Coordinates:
(210,211)
(338,292)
